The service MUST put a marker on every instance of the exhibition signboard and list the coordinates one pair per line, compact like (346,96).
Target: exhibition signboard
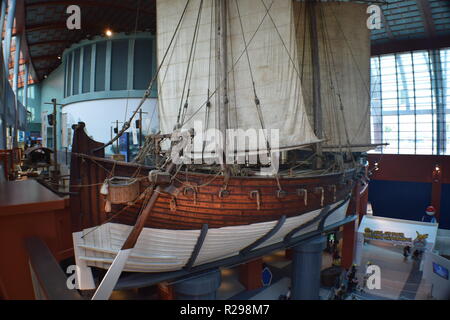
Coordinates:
(416,234)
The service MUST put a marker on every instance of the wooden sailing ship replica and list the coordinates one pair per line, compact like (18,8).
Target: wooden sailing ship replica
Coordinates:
(301,68)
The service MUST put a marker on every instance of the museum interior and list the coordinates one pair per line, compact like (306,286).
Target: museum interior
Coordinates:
(142,156)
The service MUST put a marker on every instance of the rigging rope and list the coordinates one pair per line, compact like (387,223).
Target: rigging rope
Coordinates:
(208,102)
(234,81)
(330,59)
(143,195)
(257,102)
(126,125)
(328,68)
(368,91)
(188,68)
(304,39)
(282,41)
(135,32)
(234,64)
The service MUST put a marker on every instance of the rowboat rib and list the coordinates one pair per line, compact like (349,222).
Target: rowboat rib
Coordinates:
(330,212)
(263,239)
(323,213)
(197,248)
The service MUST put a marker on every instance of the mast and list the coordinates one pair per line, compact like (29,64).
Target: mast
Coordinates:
(315,61)
(222,66)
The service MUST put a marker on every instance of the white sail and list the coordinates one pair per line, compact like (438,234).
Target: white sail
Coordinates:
(269,32)
(344,56)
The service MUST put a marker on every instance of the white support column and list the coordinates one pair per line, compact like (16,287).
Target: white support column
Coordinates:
(80,71)
(25,86)
(93,59)
(15,86)
(8,34)
(16,64)
(108,65)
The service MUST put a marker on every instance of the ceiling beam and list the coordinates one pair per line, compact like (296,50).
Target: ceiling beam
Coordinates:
(46,42)
(427,17)
(395,46)
(49,26)
(86,28)
(386,26)
(92,28)
(20,29)
(89,3)
(46,57)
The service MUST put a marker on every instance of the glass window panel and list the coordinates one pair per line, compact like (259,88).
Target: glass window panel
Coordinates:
(408,90)
(119,65)
(100,66)
(424,138)
(69,75)
(143,54)
(445,61)
(407,134)
(76,72)
(390,132)
(447,131)
(87,69)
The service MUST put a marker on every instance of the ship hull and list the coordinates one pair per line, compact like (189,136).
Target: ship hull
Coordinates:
(198,218)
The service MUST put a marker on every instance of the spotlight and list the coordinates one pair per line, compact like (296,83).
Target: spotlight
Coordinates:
(108,33)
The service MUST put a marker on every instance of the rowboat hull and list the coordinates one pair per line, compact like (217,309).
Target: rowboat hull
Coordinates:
(162,250)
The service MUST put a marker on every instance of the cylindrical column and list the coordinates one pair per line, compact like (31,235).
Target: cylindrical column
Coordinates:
(18,40)
(306,267)
(201,287)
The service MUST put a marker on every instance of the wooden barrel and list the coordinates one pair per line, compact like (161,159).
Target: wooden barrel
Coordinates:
(122,190)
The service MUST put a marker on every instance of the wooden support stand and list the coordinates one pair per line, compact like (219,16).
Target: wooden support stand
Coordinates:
(165,291)
(288,253)
(250,274)
(358,206)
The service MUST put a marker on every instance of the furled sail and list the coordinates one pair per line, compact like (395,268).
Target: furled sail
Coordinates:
(344,58)
(266,28)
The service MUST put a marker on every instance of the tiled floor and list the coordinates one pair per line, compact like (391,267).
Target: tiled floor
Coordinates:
(400,279)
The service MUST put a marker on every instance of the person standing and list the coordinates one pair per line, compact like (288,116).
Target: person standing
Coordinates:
(406,252)
(336,259)
(339,293)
